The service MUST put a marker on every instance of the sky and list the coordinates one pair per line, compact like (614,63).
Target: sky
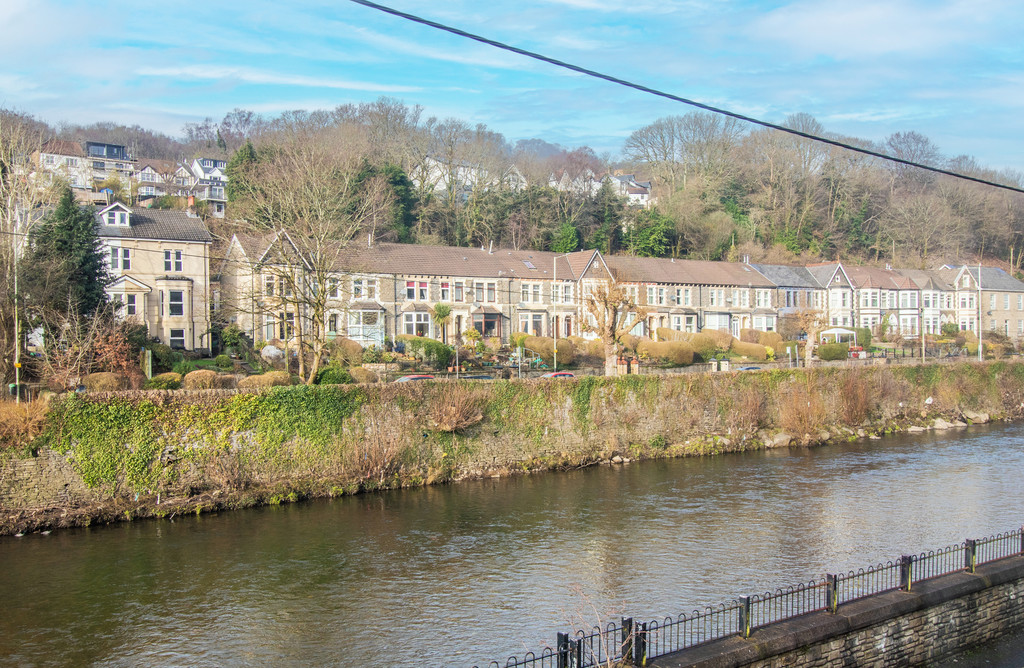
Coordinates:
(952,70)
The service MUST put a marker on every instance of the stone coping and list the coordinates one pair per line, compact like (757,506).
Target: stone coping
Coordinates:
(787,636)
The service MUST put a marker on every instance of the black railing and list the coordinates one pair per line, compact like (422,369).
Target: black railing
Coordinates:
(632,641)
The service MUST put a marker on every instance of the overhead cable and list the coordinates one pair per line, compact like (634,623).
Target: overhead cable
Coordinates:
(693,103)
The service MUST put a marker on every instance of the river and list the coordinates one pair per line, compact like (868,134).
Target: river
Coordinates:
(462,574)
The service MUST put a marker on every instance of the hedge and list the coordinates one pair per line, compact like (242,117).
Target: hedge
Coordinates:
(674,353)
(751,350)
(834,351)
(269,379)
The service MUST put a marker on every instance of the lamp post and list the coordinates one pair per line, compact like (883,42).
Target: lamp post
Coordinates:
(980,324)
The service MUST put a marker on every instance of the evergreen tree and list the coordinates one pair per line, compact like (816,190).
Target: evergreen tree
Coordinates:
(65,270)
(238,165)
(566,239)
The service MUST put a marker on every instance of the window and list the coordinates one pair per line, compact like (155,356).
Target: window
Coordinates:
(363,325)
(446,291)
(366,288)
(117,218)
(488,324)
(120,259)
(332,290)
(763,298)
(177,338)
(71,162)
(491,292)
(285,325)
(99,165)
(147,177)
(48,160)
(532,323)
(417,323)
(175,303)
(332,323)
(460,291)
(656,296)
(172,260)
(269,289)
(1006,302)
(966,282)
(129,305)
(1020,302)
(683,296)
(992,302)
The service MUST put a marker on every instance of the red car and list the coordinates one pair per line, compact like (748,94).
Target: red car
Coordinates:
(559,374)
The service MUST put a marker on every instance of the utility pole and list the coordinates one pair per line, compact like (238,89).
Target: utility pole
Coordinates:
(980,312)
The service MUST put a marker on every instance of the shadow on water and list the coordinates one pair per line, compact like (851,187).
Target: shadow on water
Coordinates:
(461,574)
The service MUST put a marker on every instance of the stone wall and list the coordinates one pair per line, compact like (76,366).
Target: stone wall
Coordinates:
(936,620)
(42,482)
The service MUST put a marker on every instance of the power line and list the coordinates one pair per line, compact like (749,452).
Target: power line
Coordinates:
(675,98)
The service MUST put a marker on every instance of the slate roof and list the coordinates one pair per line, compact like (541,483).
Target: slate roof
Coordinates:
(995,279)
(157,224)
(63,147)
(685,272)
(787,276)
(876,277)
(926,280)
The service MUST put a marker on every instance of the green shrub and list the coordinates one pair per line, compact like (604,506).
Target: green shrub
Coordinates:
(950,329)
(105,381)
(863,336)
(750,335)
(164,381)
(703,344)
(780,350)
(372,355)
(750,350)
(427,350)
(834,351)
(269,379)
(224,363)
(164,358)
(201,379)
(232,336)
(332,374)
(672,353)
(184,367)
(361,375)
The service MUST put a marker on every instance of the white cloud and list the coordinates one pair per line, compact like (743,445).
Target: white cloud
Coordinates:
(228,73)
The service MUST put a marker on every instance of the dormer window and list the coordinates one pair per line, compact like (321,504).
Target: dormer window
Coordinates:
(116,217)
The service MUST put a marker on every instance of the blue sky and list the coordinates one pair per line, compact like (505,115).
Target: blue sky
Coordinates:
(952,70)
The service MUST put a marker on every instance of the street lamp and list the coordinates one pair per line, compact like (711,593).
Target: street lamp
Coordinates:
(980,315)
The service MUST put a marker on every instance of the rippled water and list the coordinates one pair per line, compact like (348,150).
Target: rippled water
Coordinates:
(462,574)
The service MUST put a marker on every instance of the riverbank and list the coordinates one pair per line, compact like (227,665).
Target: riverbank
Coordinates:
(124,456)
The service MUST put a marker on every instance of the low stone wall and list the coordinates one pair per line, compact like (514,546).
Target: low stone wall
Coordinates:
(936,620)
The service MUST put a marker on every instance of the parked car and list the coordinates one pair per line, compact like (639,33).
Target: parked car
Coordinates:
(750,368)
(476,376)
(410,378)
(559,374)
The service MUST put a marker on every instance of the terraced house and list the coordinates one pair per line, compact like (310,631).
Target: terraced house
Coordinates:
(375,291)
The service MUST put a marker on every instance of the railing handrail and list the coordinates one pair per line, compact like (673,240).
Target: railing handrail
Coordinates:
(640,641)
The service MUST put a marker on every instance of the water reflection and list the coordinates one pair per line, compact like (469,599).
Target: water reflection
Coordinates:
(461,574)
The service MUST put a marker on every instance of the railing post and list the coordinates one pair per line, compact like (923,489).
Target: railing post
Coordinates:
(832,593)
(970,555)
(744,616)
(627,640)
(563,650)
(1022,540)
(640,646)
(579,653)
(906,571)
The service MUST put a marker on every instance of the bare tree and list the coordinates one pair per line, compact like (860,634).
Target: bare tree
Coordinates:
(306,189)
(613,313)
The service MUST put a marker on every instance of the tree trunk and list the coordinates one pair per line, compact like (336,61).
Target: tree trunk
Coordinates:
(611,359)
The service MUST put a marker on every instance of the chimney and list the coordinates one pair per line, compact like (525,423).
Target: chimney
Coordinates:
(746,259)
(490,250)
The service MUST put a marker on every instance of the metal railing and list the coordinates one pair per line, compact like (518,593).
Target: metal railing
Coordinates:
(634,642)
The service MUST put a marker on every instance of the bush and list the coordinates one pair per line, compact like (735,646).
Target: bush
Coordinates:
(750,335)
(769,339)
(361,375)
(863,336)
(184,367)
(201,379)
(373,355)
(545,347)
(671,353)
(20,423)
(164,358)
(950,329)
(782,354)
(164,381)
(834,351)
(232,336)
(332,374)
(721,337)
(105,381)
(346,352)
(429,351)
(224,363)
(703,344)
(269,379)
(753,351)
